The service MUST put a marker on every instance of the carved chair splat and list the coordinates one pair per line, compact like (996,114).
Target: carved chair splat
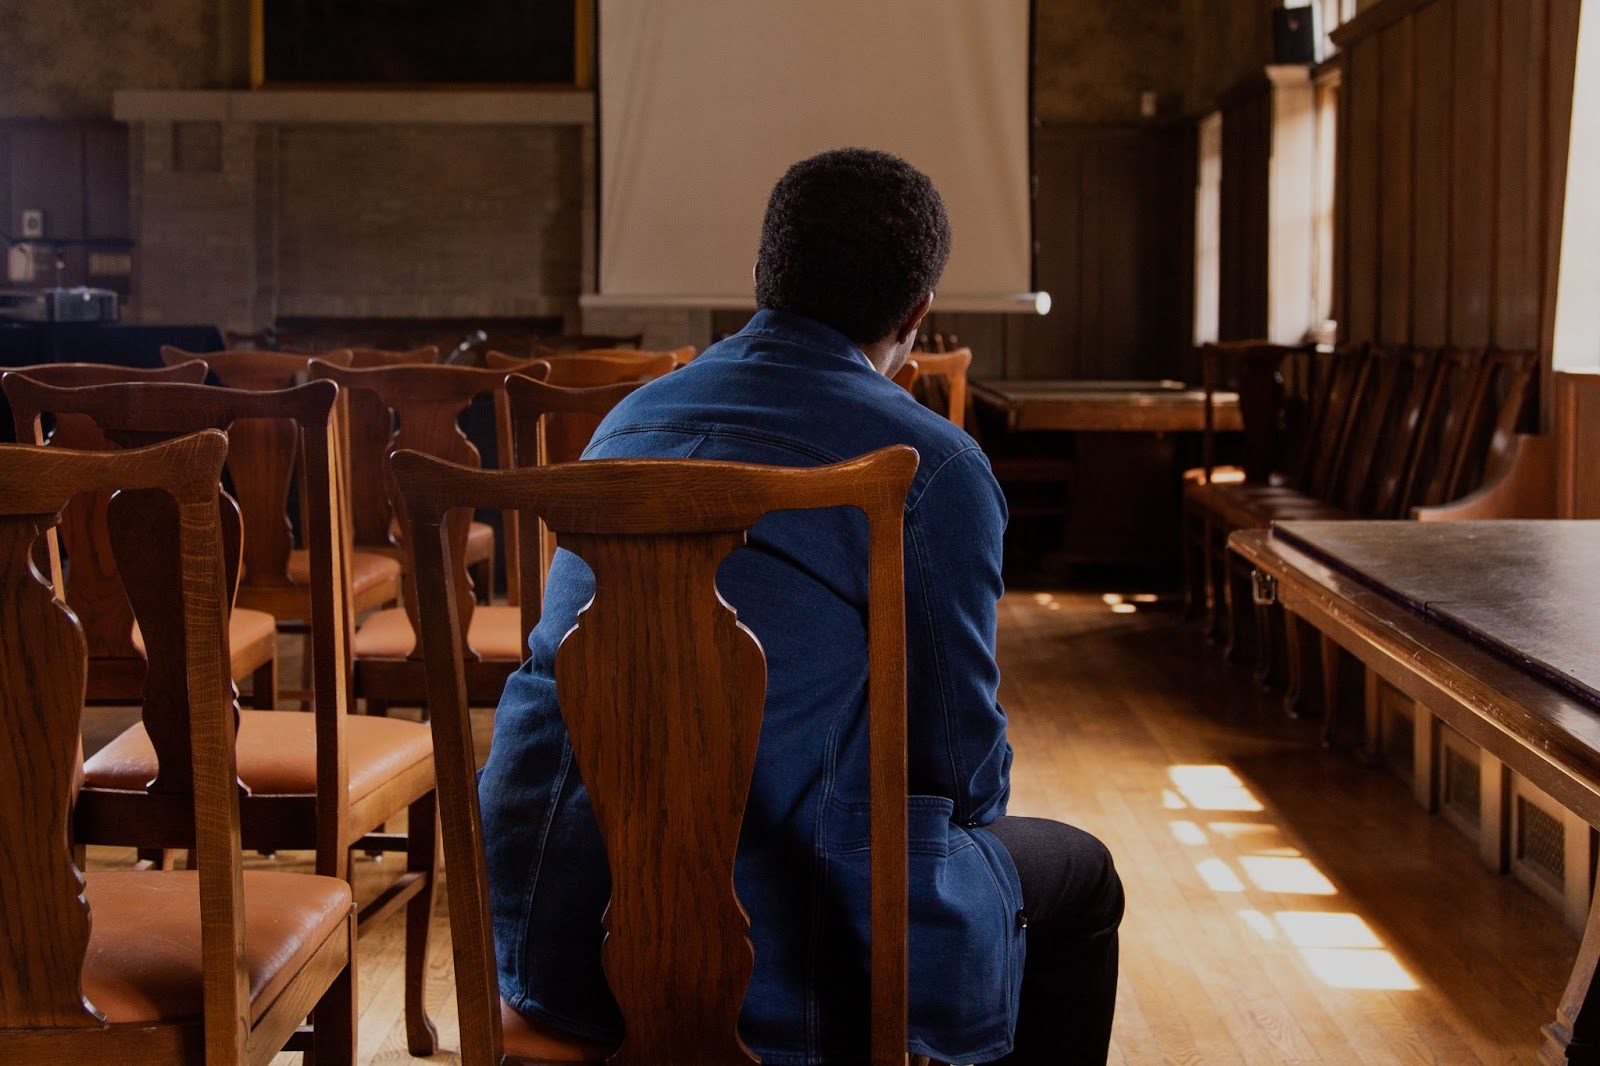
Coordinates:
(263,461)
(426,402)
(549,424)
(117,660)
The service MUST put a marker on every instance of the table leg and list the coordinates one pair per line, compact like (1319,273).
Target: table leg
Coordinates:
(1574,1037)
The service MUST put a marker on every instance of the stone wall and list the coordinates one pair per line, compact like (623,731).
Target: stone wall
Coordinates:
(62,59)
(1093,60)
(241,222)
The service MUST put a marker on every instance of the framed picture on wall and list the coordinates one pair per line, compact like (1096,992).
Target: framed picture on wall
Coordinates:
(422,43)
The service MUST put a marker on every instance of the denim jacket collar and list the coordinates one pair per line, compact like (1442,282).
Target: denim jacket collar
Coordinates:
(806,332)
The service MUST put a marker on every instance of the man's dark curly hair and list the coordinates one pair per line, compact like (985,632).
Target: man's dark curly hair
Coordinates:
(854,238)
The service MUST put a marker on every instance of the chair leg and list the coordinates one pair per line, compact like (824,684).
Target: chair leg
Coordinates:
(483,579)
(1193,584)
(333,1020)
(264,686)
(422,852)
(1266,644)
(1230,621)
(1330,688)
(1294,661)
(1208,576)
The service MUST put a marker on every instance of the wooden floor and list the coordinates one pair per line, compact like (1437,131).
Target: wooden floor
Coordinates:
(1285,905)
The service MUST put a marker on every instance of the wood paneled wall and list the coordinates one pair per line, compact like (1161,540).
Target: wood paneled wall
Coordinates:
(1245,254)
(1113,224)
(1452,157)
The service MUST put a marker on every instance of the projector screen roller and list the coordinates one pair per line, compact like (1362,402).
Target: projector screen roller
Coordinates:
(705,103)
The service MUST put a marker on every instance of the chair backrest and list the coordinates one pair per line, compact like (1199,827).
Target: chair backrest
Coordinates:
(942,382)
(649,741)
(190,371)
(906,376)
(1336,412)
(257,371)
(1398,385)
(165,521)
(1254,370)
(136,415)
(585,370)
(92,586)
(549,424)
(1479,398)
(424,403)
(365,358)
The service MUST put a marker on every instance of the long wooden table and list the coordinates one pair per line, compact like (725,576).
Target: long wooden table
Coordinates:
(1107,406)
(1122,505)
(1494,629)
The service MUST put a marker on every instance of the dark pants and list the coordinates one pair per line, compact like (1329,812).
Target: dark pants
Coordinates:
(1072,899)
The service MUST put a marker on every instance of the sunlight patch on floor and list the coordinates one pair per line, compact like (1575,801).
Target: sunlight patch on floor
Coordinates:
(1339,948)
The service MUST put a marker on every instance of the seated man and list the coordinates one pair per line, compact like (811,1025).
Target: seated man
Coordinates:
(852,246)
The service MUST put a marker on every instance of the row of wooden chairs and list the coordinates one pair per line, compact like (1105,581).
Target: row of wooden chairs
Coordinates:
(244,998)
(1382,432)
(286,761)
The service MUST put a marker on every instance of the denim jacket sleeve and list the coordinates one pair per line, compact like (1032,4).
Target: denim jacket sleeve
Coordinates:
(957,739)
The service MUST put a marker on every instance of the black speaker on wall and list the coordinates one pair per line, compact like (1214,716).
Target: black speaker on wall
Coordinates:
(1294,35)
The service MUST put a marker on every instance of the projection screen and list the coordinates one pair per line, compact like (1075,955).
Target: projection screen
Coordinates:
(704,103)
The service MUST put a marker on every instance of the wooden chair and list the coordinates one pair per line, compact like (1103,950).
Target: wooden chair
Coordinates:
(263,460)
(549,424)
(323,779)
(648,741)
(942,382)
(212,966)
(117,661)
(906,376)
(426,401)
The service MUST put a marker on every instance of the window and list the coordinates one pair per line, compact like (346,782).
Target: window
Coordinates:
(1332,14)
(1577,339)
(1325,173)
(1208,232)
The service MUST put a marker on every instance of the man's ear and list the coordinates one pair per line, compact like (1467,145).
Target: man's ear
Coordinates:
(908,328)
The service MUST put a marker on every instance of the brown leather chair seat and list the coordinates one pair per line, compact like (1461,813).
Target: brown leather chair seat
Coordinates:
(143,962)
(495,633)
(276,754)
(534,1041)
(369,571)
(246,629)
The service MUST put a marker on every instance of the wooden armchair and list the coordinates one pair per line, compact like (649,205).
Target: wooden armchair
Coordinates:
(117,661)
(323,779)
(217,965)
(426,402)
(648,741)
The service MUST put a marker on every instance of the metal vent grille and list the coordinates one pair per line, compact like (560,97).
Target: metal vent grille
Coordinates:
(1541,840)
(1462,787)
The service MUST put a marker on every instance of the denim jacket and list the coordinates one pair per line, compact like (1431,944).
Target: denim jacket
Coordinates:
(790,391)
